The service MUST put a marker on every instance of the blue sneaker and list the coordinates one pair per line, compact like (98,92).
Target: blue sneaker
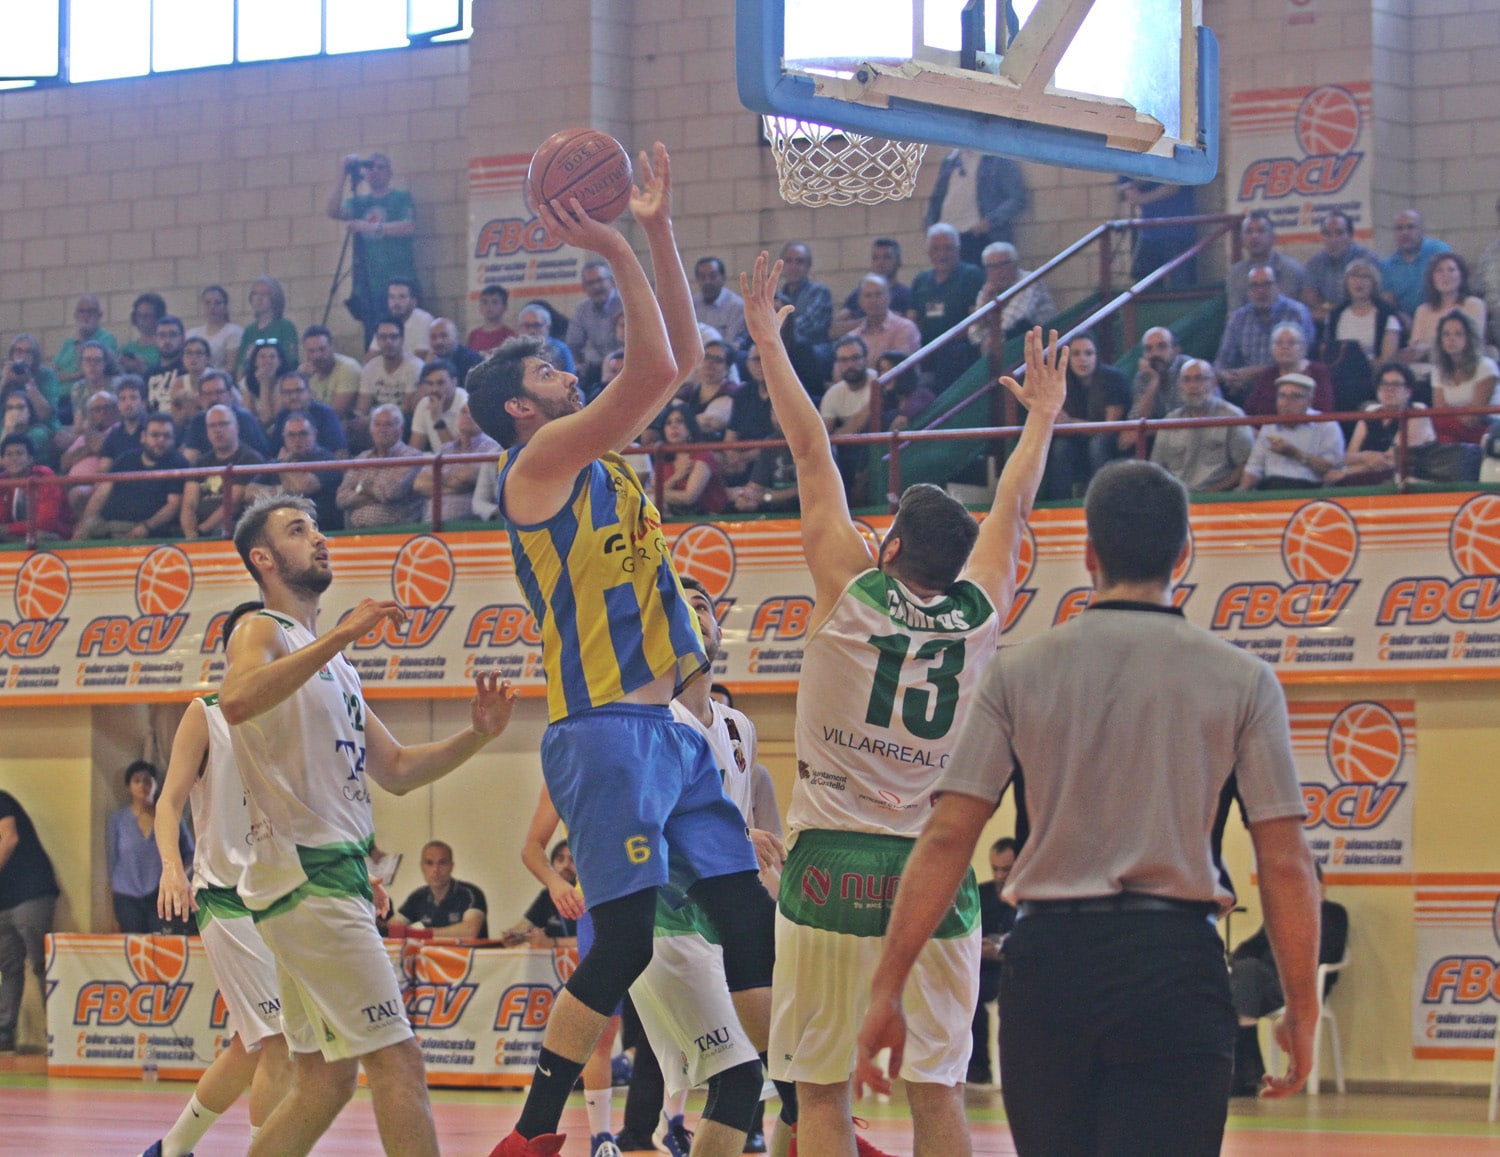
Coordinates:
(603,1145)
(673,1136)
(154,1150)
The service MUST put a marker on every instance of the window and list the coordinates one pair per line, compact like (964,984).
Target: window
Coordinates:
(78,41)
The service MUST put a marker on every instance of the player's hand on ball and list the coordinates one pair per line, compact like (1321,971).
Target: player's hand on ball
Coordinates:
(567,222)
(494,700)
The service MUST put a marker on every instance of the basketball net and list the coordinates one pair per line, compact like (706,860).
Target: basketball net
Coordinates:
(818,165)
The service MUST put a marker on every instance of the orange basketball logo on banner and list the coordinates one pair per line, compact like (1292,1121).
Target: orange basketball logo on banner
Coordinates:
(1320,543)
(42,587)
(1365,744)
(163,582)
(157,959)
(422,575)
(1474,539)
(705,552)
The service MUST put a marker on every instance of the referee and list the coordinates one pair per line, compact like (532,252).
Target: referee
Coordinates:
(1128,734)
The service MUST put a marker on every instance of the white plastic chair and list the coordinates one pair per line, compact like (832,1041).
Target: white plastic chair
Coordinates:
(1326,1017)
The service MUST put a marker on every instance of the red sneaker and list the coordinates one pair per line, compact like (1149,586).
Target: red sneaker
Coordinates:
(542,1145)
(861,1146)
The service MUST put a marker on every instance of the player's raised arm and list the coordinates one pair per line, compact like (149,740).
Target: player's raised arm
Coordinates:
(189,751)
(400,769)
(835,550)
(996,552)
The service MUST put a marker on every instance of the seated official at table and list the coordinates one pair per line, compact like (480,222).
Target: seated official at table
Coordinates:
(451,908)
(543,926)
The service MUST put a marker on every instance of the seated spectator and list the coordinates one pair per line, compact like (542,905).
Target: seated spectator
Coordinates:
(269,323)
(300,445)
(805,332)
(20,418)
(1288,356)
(134,862)
(203,512)
(416,323)
(543,925)
(24,371)
(87,316)
(1462,375)
(848,408)
(1365,317)
(591,330)
(1096,393)
(772,485)
(140,355)
(880,327)
(99,370)
(941,297)
(1246,346)
(387,380)
(1403,271)
(1258,235)
(18,460)
(996,919)
(442,338)
(296,398)
(885,263)
(452,908)
(28,894)
(694,480)
(711,396)
(219,334)
(1032,306)
(182,403)
(143,507)
(373,496)
(460,478)
(1255,986)
(267,361)
(1204,458)
(1371,456)
(215,389)
(903,397)
(492,332)
(717,306)
(1445,287)
(749,420)
(536,321)
(86,454)
(1154,393)
(169,339)
(332,378)
(435,419)
(1326,287)
(126,434)
(1293,456)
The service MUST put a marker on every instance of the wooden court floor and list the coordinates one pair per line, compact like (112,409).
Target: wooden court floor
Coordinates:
(77,1118)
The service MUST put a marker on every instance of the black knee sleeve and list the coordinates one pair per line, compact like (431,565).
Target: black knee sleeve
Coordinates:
(620,953)
(734,1096)
(744,915)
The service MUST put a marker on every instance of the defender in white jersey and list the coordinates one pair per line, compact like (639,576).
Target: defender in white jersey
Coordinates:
(891,650)
(306,746)
(201,773)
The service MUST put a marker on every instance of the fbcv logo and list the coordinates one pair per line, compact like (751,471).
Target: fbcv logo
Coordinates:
(42,589)
(438,995)
(156,999)
(1318,549)
(421,579)
(163,582)
(1474,546)
(1327,125)
(1466,979)
(1079,599)
(1366,747)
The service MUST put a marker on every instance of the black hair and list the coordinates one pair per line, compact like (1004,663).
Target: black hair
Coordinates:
(1137,518)
(498,379)
(936,534)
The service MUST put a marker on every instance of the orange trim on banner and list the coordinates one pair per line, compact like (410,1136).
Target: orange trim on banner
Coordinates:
(1423,1053)
(1473,879)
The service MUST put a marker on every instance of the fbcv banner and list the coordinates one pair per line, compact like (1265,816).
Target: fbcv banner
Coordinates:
(1456,983)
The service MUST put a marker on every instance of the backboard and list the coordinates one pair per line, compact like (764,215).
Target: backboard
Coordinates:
(1118,86)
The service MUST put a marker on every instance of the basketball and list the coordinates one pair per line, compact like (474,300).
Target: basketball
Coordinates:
(582,163)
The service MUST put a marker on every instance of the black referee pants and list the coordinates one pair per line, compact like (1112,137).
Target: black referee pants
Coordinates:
(1116,1035)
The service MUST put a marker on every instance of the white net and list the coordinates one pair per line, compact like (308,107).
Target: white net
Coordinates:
(818,165)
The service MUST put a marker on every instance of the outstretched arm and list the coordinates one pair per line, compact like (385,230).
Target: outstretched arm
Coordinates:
(993,562)
(189,751)
(834,548)
(401,769)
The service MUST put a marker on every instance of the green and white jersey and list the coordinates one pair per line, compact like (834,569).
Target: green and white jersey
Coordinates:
(221,817)
(733,743)
(303,767)
(882,678)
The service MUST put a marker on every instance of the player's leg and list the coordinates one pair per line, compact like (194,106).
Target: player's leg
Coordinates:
(599,1083)
(398,1091)
(320,1089)
(938,1124)
(733,1100)
(227,1076)
(273,1078)
(825,1120)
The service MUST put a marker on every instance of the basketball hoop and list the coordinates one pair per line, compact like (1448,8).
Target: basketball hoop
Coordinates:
(818,165)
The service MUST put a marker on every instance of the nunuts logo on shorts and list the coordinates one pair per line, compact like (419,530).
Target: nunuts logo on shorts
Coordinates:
(156,999)
(163,583)
(42,589)
(1366,747)
(1474,547)
(1318,549)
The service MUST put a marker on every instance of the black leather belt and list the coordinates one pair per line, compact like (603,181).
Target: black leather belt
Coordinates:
(1121,902)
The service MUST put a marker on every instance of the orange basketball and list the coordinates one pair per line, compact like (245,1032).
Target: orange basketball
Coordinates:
(1365,744)
(704,552)
(582,163)
(1474,537)
(163,582)
(1320,543)
(42,587)
(442,964)
(423,572)
(157,959)
(1328,121)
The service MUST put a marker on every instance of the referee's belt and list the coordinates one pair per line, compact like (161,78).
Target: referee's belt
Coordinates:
(1120,902)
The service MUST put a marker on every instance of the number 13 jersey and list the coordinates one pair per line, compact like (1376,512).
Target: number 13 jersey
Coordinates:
(877,709)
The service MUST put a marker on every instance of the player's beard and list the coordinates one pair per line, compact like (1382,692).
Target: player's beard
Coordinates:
(309,579)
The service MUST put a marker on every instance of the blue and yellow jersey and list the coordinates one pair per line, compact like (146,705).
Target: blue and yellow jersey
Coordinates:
(600,582)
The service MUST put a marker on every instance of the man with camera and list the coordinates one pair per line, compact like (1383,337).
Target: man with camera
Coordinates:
(382,223)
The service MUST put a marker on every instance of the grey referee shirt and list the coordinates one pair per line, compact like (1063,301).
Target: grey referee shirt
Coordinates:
(1124,725)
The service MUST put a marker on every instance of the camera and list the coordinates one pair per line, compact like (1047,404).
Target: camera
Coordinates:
(356,168)
(20,369)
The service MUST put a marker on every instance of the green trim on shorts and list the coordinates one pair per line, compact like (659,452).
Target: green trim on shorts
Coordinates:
(218,904)
(687,920)
(846,882)
(331,870)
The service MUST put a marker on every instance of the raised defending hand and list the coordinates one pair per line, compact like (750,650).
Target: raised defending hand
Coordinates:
(568,223)
(494,700)
(884,1028)
(763,317)
(1046,375)
(369,614)
(651,200)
